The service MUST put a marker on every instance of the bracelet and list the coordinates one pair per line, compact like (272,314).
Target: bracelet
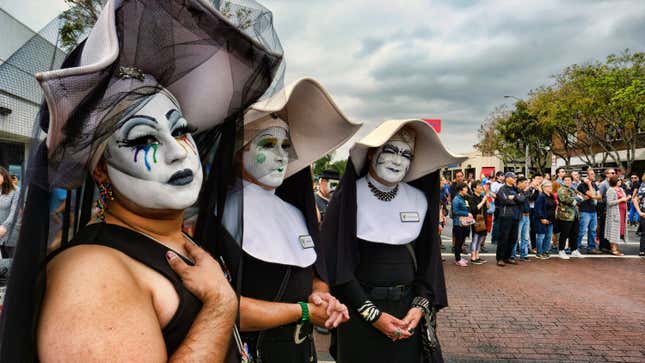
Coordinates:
(305,311)
(369,312)
(421,303)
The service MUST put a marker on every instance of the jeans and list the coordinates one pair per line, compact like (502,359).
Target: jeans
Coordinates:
(476,242)
(588,224)
(642,228)
(533,223)
(543,241)
(523,237)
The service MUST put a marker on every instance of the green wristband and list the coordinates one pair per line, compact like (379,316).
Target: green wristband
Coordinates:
(305,311)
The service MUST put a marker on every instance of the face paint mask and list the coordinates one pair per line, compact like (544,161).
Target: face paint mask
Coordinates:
(152,159)
(267,156)
(391,161)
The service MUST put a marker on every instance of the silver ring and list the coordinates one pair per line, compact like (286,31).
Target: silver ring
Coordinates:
(397,333)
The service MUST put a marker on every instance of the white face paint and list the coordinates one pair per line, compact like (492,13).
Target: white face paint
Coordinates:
(267,156)
(152,159)
(391,161)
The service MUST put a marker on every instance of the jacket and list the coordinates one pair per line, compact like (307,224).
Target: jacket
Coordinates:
(567,210)
(544,209)
(459,209)
(509,202)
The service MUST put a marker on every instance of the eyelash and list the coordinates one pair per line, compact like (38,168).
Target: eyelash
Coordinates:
(182,130)
(143,140)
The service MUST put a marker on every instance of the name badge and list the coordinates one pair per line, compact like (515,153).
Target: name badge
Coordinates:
(409,217)
(306,241)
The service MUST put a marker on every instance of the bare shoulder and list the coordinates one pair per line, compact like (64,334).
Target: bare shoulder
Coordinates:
(94,310)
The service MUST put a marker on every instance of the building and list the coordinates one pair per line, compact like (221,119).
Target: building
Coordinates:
(578,150)
(476,166)
(23,53)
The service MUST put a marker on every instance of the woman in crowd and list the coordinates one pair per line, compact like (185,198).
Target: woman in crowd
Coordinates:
(131,286)
(478,206)
(383,246)
(460,208)
(622,207)
(567,219)
(8,212)
(545,215)
(638,202)
(612,222)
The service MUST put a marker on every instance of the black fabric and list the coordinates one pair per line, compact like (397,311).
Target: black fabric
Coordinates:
(261,280)
(152,254)
(568,230)
(460,233)
(508,228)
(321,204)
(338,238)
(343,253)
(588,205)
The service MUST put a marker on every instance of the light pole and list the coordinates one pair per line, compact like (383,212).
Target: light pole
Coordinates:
(526,147)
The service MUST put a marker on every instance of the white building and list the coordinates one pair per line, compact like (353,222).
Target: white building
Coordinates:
(23,53)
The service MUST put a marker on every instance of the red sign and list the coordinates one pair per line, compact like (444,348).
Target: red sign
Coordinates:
(435,123)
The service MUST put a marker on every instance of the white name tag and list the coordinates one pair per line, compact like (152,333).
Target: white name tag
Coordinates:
(407,217)
(306,241)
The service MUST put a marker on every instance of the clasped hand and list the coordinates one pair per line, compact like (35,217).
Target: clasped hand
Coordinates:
(399,329)
(325,310)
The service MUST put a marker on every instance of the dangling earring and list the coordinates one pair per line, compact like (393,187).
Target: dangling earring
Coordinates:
(105,194)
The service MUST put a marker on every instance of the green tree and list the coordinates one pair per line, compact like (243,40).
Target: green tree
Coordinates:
(78,20)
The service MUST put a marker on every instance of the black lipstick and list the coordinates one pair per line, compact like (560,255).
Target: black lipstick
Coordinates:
(181,177)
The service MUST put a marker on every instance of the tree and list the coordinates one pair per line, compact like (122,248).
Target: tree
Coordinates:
(325,163)
(78,20)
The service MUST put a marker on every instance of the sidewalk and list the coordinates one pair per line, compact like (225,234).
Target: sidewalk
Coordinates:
(587,310)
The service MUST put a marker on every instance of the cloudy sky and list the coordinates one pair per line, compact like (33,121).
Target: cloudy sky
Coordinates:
(450,59)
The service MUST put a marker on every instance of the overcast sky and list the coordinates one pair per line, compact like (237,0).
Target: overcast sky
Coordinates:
(450,59)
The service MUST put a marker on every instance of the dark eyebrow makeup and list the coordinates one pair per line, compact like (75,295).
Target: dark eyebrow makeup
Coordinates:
(136,121)
(173,116)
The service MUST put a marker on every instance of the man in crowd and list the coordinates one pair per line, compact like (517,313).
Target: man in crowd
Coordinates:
(575,176)
(497,184)
(459,178)
(559,174)
(524,224)
(588,214)
(634,185)
(602,210)
(327,182)
(534,190)
(508,203)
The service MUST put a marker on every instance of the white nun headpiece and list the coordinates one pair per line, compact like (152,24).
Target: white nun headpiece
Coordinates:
(316,124)
(429,153)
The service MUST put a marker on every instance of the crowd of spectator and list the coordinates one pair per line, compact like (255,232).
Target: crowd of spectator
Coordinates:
(544,214)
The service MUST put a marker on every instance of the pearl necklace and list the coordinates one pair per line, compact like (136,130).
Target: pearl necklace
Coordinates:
(381,195)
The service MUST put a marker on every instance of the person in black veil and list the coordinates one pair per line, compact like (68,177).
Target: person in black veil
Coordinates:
(130,287)
(281,271)
(380,238)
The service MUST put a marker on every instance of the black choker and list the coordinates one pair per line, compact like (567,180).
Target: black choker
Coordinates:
(381,195)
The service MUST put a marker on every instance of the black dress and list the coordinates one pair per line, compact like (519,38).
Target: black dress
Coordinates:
(263,281)
(385,276)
